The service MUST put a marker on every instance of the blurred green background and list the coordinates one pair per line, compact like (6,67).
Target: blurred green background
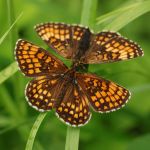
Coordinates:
(126,129)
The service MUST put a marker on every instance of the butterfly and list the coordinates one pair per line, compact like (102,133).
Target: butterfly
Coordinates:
(72,94)
(82,46)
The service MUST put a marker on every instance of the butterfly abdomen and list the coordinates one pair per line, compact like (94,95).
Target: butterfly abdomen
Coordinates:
(84,44)
(65,81)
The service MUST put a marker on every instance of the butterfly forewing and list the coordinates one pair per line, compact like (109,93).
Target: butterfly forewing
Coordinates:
(74,107)
(103,95)
(111,47)
(63,38)
(35,61)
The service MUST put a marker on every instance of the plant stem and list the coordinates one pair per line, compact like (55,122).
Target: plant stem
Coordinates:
(10,28)
(13,36)
(72,139)
(11,18)
(88,13)
(7,72)
(34,130)
(87,18)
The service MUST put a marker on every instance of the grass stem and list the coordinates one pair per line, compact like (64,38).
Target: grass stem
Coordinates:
(87,18)
(72,139)
(34,130)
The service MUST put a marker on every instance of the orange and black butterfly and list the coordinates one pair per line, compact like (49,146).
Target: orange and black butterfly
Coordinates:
(71,93)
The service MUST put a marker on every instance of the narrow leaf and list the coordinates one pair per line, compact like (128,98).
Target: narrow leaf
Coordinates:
(7,72)
(109,16)
(7,32)
(72,139)
(119,18)
(34,130)
(88,13)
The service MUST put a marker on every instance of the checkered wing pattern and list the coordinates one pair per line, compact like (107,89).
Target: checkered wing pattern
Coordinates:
(40,92)
(74,107)
(103,95)
(35,61)
(62,38)
(111,47)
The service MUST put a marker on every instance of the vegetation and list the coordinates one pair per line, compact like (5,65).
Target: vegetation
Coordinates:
(126,129)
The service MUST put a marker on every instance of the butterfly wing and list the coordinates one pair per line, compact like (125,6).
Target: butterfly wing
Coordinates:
(111,47)
(35,61)
(74,107)
(62,38)
(41,92)
(103,95)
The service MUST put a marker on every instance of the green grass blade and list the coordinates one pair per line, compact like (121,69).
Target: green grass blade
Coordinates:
(8,72)
(10,28)
(126,17)
(72,138)
(11,18)
(8,102)
(13,35)
(34,130)
(4,122)
(87,18)
(11,124)
(115,13)
(88,12)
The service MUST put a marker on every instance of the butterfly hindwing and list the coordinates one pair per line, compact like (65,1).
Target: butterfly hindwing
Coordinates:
(62,38)
(74,107)
(111,47)
(35,61)
(103,95)
(40,92)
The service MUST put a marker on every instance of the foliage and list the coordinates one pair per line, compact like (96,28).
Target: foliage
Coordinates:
(124,129)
